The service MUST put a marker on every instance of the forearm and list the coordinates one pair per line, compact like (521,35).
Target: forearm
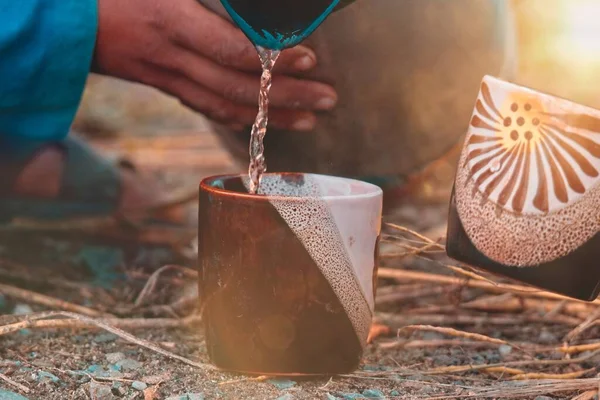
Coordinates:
(46,47)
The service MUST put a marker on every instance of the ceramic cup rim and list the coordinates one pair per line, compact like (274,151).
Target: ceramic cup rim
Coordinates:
(373,191)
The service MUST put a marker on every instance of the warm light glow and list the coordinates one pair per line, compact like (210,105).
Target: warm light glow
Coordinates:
(581,34)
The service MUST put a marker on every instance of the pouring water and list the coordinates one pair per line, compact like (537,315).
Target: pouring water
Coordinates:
(273,25)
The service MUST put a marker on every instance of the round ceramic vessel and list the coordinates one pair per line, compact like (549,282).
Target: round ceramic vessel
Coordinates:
(288,275)
(527,190)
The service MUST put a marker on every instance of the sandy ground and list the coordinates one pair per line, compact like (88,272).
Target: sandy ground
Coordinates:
(105,269)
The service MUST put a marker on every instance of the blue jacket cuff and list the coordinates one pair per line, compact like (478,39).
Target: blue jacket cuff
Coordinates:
(46,50)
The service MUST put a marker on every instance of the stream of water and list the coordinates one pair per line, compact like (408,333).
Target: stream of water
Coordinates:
(258,165)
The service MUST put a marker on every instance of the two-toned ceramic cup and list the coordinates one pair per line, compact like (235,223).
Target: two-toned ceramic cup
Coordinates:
(288,276)
(526,199)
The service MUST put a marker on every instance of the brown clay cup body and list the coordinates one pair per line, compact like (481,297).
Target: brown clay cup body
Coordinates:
(526,198)
(287,276)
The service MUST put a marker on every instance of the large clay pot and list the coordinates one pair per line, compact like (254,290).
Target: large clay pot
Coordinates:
(407,73)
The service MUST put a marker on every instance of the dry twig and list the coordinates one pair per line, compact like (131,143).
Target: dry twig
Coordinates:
(413,251)
(37,321)
(424,344)
(175,309)
(403,295)
(452,332)
(400,321)
(528,389)
(589,395)
(503,371)
(522,363)
(589,322)
(131,323)
(425,239)
(41,299)
(510,303)
(403,275)
(153,279)
(580,348)
(17,385)
(537,375)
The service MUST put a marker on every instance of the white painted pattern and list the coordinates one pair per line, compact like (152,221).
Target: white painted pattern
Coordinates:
(338,221)
(528,154)
(358,224)
(551,206)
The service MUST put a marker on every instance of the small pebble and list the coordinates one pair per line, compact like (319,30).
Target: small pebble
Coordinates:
(331,397)
(282,384)
(79,339)
(547,337)
(371,368)
(505,350)
(478,359)
(137,385)
(93,368)
(22,309)
(286,396)
(187,396)
(100,392)
(114,357)
(6,395)
(373,394)
(118,389)
(445,360)
(100,372)
(128,364)
(44,376)
(156,379)
(114,371)
(493,357)
(105,338)
(352,396)
(395,393)
(426,389)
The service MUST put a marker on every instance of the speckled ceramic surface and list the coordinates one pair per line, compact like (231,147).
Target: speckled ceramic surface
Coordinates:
(527,190)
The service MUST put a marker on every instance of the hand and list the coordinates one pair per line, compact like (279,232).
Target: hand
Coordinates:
(187,51)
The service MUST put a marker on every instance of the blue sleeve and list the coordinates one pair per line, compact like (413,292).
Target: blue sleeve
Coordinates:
(46,49)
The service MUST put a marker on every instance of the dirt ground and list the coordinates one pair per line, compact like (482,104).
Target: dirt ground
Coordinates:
(501,342)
